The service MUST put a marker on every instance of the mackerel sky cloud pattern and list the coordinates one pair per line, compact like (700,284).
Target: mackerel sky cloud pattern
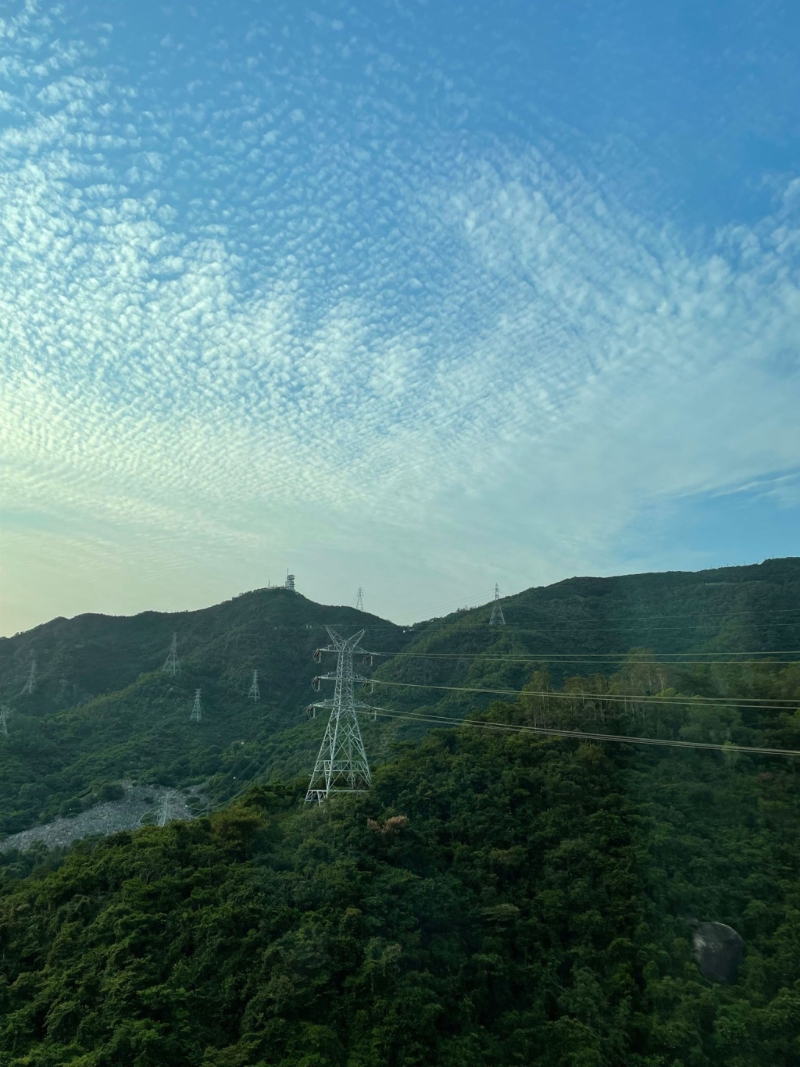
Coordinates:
(406,296)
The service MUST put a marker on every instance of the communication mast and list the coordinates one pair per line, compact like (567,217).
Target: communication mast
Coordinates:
(254,694)
(289,583)
(171,665)
(497,617)
(197,713)
(5,711)
(30,684)
(360,599)
(342,765)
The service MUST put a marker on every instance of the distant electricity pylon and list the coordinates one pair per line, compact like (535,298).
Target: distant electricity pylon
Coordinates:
(5,711)
(171,665)
(169,809)
(197,713)
(342,765)
(30,684)
(360,599)
(497,617)
(254,693)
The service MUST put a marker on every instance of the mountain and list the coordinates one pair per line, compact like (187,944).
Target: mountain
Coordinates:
(103,710)
(583,626)
(499,897)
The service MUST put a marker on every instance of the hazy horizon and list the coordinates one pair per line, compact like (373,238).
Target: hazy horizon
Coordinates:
(435,611)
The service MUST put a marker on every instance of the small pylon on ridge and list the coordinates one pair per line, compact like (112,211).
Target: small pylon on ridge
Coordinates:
(171,665)
(30,683)
(497,617)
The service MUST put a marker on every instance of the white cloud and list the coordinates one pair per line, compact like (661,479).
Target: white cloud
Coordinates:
(473,357)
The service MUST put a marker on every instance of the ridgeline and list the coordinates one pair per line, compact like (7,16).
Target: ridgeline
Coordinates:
(499,897)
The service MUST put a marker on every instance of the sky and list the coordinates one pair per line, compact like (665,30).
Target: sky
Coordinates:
(414,296)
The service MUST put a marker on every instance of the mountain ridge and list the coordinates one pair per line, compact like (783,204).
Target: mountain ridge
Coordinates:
(103,709)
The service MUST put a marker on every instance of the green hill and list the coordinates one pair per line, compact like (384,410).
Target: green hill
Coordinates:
(496,899)
(499,897)
(103,710)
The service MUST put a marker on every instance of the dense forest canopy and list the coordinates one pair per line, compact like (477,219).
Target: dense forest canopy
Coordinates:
(500,896)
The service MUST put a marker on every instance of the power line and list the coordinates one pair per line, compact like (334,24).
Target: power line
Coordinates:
(600,625)
(586,735)
(674,614)
(544,731)
(554,695)
(591,657)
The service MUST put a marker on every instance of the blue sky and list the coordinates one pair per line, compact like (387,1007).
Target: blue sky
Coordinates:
(412,296)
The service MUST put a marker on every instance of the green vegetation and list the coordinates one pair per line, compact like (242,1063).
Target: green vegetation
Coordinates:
(103,711)
(499,897)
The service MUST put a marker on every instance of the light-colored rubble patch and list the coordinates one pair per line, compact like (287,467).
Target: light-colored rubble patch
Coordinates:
(126,813)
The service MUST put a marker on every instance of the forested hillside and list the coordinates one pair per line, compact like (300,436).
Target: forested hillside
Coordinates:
(500,896)
(103,710)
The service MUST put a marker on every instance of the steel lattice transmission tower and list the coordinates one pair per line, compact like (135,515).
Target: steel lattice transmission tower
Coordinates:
(497,617)
(197,713)
(30,684)
(342,765)
(5,711)
(360,599)
(171,665)
(254,693)
(169,810)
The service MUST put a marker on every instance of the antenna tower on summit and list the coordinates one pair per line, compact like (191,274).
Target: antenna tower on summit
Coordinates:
(171,665)
(197,713)
(342,765)
(497,617)
(254,694)
(5,711)
(360,599)
(30,683)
